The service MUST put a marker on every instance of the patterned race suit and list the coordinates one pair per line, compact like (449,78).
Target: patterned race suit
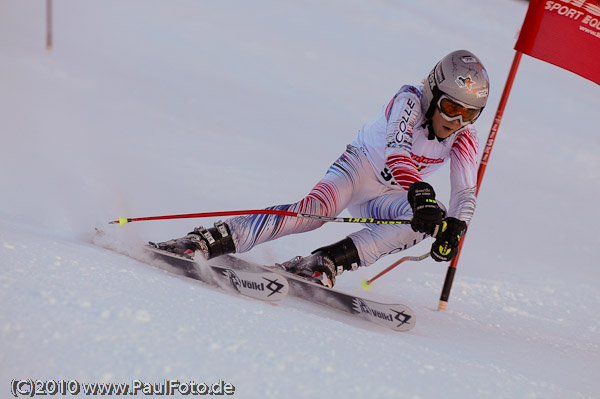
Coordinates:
(371,179)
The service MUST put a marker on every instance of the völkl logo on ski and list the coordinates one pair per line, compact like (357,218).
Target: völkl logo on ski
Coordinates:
(386,315)
(272,286)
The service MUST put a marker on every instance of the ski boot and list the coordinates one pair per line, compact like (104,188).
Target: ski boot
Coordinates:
(212,242)
(323,265)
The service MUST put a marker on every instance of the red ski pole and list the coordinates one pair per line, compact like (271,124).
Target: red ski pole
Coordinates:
(366,284)
(123,220)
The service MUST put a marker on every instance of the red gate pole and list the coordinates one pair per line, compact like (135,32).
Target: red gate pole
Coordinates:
(482,166)
(49,25)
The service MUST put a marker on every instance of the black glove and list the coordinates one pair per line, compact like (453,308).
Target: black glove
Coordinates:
(427,215)
(445,247)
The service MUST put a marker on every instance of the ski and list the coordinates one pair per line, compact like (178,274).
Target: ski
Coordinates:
(398,317)
(263,284)
(271,283)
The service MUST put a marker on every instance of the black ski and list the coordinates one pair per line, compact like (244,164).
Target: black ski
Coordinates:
(260,284)
(398,317)
(271,283)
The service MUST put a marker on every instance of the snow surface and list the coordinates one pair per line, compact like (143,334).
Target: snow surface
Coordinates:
(152,107)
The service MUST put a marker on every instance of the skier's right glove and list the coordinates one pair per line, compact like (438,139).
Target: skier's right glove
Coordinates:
(427,215)
(446,244)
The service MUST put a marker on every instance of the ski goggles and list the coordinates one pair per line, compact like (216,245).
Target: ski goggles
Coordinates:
(452,110)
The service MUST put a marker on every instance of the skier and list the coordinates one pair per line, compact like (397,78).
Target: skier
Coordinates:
(380,175)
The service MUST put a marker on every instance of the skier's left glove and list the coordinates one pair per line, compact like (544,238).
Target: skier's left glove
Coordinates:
(427,214)
(445,247)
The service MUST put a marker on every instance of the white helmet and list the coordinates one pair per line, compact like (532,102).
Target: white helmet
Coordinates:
(460,75)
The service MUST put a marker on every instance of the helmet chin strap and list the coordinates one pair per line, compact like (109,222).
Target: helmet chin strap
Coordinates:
(432,134)
(429,114)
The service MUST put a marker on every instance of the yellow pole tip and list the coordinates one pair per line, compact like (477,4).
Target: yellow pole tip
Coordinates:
(123,221)
(365,284)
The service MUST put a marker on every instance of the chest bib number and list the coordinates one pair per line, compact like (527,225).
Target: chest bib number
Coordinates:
(388,177)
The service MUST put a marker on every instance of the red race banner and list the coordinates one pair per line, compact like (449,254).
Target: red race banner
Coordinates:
(565,33)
